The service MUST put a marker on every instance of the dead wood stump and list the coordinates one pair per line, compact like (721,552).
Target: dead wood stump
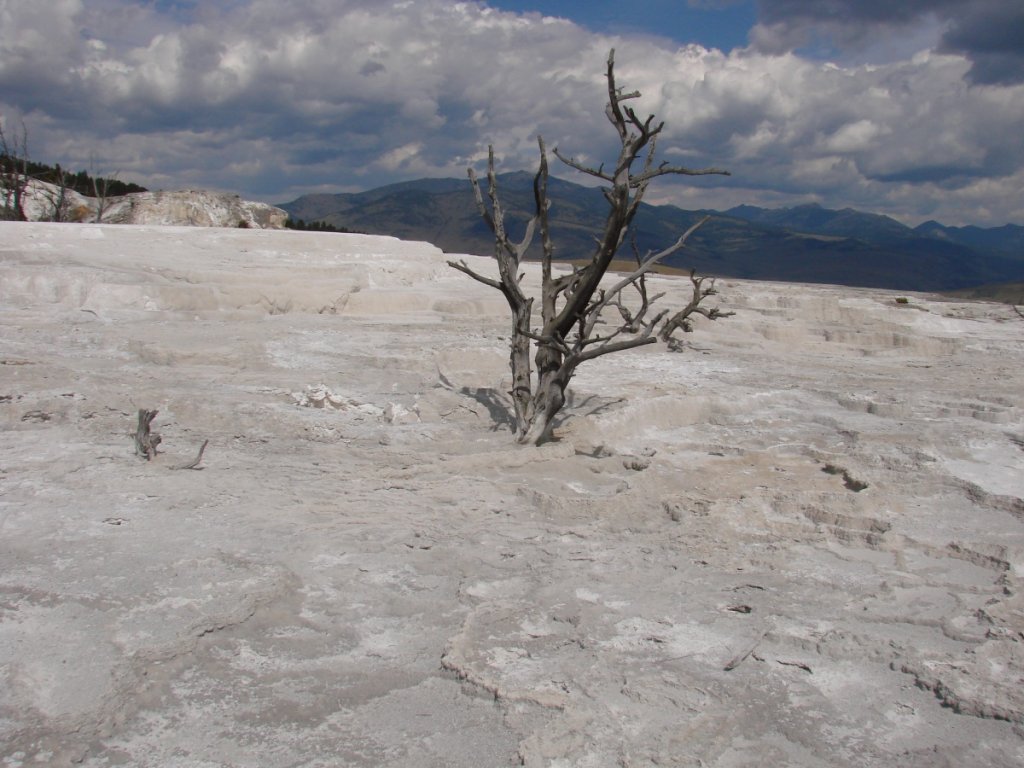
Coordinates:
(146,441)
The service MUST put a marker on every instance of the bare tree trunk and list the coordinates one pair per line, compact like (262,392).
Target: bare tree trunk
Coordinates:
(146,441)
(57,198)
(508,255)
(549,397)
(519,363)
(100,191)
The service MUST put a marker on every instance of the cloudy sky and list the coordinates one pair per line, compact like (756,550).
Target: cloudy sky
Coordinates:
(913,108)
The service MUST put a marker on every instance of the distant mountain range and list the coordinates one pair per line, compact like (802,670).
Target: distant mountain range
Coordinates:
(807,243)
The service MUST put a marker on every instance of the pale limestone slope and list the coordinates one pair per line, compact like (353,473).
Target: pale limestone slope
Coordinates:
(798,542)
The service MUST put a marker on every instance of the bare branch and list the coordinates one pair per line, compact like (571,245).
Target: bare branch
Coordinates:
(620,346)
(648,264)
(194,464)
(484,213)
(573,163)
(463,267)
(560,345)
(549,294)
(666,170)
(615,95)
(495,217)
(632,322)
(527,240)
(681,319)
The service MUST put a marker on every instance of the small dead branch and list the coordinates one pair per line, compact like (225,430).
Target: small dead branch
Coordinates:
(797,664)
(145,440)
(632,323)
(739,658)
(675,658)
(194,464)
(740,608)
(682,318)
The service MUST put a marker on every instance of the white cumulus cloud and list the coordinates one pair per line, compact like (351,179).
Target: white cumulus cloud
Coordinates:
(273,99)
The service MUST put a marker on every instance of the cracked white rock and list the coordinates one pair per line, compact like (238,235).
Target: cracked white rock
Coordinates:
(398,584)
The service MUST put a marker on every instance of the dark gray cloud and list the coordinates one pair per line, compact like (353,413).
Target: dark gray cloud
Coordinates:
(991,34)
(988,32)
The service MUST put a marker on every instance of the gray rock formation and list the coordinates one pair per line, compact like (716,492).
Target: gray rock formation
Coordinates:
(194,207)
(190,207)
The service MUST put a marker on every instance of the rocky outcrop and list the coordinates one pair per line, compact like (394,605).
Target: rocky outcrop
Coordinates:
(193,207)
(190,207)
(43,202)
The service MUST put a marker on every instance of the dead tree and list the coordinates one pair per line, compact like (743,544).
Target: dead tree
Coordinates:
(572,330)
(14,176)
(100,190)
(58,206)
(16,182)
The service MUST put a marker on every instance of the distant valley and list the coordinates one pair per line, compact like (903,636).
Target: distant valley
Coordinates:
(807,243)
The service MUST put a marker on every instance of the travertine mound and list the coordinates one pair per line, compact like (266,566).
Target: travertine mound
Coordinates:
(797,542)
(194,208)
(187,208)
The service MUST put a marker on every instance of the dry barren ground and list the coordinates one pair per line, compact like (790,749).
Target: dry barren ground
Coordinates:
(798,542)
